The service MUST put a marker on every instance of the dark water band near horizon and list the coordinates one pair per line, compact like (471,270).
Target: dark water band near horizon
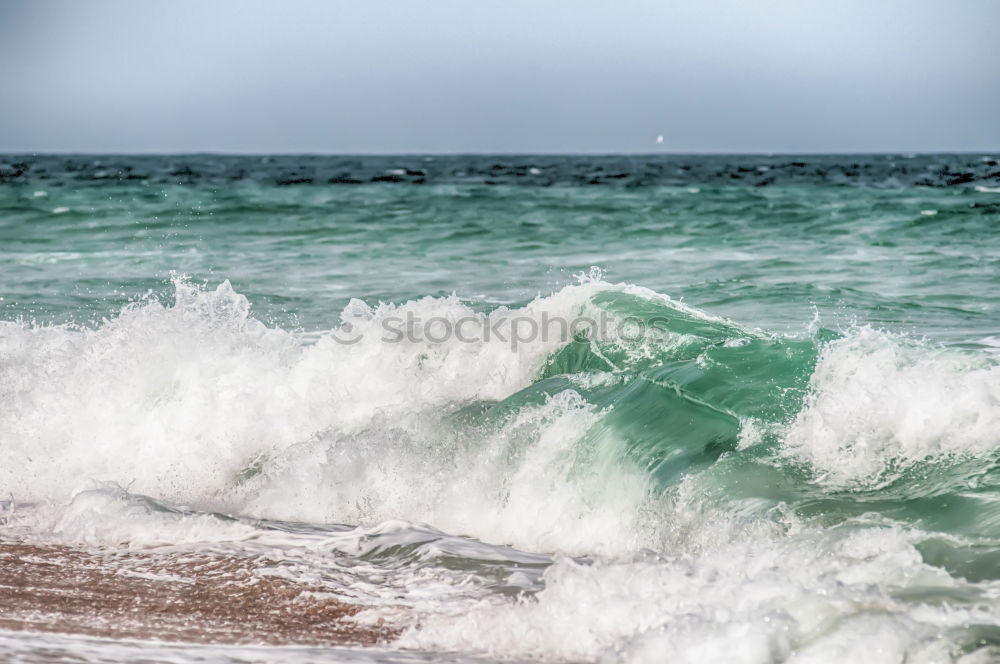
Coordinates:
(802,466)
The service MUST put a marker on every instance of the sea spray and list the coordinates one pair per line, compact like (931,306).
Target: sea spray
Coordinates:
(593,497)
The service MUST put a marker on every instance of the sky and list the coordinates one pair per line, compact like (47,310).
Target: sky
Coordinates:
(464,76)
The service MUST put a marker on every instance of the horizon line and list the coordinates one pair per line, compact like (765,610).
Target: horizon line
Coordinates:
(705,153)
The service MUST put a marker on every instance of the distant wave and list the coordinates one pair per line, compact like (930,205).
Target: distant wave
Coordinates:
(934,170)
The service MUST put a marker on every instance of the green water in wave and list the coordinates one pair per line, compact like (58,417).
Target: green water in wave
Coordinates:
(681,409)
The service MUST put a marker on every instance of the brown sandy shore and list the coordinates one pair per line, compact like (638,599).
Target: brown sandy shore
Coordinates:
(201,598)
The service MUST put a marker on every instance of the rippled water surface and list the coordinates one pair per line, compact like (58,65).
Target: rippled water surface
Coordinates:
(801,465)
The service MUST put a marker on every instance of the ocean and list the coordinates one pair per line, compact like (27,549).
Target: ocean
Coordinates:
(739,409)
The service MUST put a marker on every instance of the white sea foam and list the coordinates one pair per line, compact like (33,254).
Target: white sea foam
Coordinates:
(199,403)
(110,517)
(174,396)
(880,403)
(803,597)
(531,484)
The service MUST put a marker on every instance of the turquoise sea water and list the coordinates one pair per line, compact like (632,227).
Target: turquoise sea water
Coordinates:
(763,240)
(801,465)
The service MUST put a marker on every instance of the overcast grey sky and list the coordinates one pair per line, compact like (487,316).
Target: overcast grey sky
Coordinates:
(408,76)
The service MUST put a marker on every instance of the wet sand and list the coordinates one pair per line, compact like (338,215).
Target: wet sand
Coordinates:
(200,598)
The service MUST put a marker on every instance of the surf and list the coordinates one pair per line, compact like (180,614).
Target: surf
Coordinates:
(650,477)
